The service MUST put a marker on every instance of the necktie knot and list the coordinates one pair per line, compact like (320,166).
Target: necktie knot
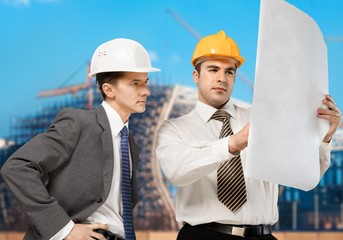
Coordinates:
(123,132)
(224,117)
(220,115)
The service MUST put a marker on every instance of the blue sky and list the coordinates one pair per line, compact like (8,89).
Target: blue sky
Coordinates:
(43,42)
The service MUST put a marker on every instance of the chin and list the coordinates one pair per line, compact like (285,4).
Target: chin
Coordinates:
(140,110)
(219,104)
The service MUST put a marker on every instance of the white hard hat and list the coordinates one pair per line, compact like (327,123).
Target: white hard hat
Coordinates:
(121,55)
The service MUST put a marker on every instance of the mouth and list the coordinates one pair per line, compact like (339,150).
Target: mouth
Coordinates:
(219,89)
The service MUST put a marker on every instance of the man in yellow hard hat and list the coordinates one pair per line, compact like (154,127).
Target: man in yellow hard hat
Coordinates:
(203,154)
(78,179)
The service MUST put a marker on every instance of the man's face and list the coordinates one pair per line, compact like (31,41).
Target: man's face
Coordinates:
(130,93)
(215,81)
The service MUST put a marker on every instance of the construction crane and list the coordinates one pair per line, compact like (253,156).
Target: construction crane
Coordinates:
(195,34)
(64,90)
(73,88)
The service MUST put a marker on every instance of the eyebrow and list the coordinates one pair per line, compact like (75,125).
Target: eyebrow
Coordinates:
(216,67)
(139,80)
(212,66)
(231,68)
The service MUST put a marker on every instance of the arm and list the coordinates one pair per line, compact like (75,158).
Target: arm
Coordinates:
(334,116)
(324,157)
(27,170)
(185,162)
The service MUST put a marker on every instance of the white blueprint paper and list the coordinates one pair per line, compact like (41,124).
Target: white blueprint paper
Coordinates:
(291,79)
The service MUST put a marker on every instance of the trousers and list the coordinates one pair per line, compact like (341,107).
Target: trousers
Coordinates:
(189,232)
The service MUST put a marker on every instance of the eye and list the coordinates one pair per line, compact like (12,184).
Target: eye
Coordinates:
(214,70)
(230,72)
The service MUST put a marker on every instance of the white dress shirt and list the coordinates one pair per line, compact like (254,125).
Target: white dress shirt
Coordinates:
(189,151)
(110,212)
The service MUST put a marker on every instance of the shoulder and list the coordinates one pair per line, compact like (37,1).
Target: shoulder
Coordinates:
(180,124)
(241,107)
(74,117)
(242,111)
(184,119)
(75,112)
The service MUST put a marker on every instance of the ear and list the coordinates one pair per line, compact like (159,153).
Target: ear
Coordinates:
(195,76)
(108,90)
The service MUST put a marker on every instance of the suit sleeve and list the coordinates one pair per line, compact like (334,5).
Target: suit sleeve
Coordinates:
(26,172)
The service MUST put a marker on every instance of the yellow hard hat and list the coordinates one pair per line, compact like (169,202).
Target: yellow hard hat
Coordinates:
(217,45)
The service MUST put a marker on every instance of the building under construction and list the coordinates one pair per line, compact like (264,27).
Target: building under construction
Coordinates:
(299,210)
(155,208)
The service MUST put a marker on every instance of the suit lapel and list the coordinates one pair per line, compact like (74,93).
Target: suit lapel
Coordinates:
(134,158)
(108,156)
(133,151)
(107,144)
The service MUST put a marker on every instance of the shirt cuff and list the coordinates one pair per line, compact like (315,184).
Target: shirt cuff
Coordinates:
(221,149)
(64,231)
(324,156)
(324,151)
(325,146)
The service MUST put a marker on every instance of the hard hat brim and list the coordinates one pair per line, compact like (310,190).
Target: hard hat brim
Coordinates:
(137,70)
(240,60)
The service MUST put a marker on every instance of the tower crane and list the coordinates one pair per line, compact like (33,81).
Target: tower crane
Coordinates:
(195,34)
(73,88)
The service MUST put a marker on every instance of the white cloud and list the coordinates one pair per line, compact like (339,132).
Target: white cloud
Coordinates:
(25,2)
(153,56)
(16,2)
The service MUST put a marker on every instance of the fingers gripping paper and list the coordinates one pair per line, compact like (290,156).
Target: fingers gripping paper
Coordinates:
(290,81)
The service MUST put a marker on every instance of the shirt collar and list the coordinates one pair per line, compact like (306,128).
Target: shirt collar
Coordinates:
(115,120)
(206,111)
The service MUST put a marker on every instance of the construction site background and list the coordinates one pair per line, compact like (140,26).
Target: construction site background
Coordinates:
(317,214)
(172,235)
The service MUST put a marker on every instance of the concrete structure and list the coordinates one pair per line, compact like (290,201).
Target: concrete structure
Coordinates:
(320,209)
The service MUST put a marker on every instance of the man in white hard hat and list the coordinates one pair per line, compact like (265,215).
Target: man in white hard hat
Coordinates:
(78,179)
(203,154)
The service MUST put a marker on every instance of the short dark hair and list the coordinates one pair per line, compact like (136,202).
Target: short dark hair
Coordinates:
(107,77)
(198,67)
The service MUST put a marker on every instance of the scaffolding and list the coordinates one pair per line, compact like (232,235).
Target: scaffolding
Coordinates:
(155,208)
(319,209)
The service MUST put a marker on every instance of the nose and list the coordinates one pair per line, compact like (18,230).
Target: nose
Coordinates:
(221,76)
(145,91)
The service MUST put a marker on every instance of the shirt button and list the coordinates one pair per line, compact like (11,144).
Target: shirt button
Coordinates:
(99,200)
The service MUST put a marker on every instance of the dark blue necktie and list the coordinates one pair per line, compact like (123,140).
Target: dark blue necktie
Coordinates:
(126,186)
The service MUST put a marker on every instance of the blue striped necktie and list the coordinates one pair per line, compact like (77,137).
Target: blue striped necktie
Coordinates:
(126,186)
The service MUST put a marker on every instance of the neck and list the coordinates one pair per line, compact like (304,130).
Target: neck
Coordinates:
(124,115)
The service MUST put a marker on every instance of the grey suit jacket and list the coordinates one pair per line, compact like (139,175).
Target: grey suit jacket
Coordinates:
(65,173)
